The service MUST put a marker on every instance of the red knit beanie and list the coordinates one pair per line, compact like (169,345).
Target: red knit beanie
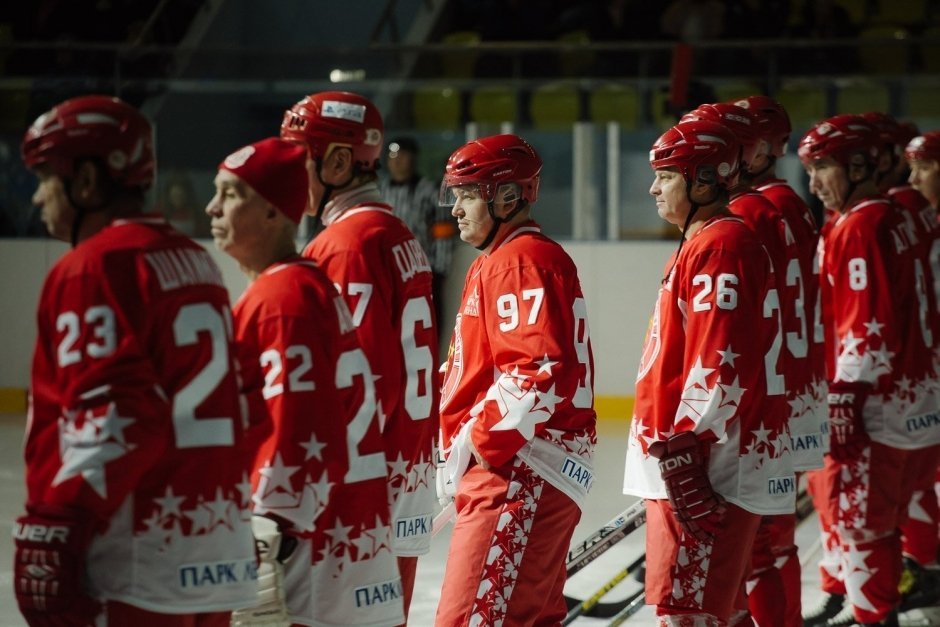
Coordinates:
(277,170)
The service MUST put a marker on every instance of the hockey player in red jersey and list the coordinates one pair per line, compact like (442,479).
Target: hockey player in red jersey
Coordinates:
(923,157)
(879,339)
(776,563)
(708,446)
(920,587)
(517,408)
(321,514)
(385,277)
(136,463)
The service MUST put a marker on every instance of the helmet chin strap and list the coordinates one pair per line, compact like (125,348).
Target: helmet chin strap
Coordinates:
(80,212)
(328,189)
(685,227)
(497,221)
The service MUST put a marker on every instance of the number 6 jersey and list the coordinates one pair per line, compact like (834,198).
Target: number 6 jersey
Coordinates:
(711,365)
(135,419)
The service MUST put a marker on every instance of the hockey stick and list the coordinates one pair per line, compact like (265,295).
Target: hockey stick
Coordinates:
(634,603)
(445,516)
(588,604)
(804,509)
(610,534)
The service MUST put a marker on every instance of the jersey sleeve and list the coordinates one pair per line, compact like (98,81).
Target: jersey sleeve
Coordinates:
(530,324)
(724,297)
(97,399)
(864,322)
(300,465)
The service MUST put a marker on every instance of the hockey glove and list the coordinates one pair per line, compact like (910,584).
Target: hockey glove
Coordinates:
(274,548)
(697,507)
(847,436)
(49,566)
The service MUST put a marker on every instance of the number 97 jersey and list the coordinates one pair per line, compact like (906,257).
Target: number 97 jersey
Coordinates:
(520,362)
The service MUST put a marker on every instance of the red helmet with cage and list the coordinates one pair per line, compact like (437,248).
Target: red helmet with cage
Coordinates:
(491,162)
(93,127)
(703,151)
(924,147)
(841,137)
(738,120)
(772,121)
(333,119)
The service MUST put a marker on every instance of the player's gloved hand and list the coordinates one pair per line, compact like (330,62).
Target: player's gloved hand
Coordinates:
(446,491)
(274,549)
(49,565)
(682,464)
(847,435)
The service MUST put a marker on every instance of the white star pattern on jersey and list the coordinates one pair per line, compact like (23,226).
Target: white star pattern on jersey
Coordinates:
(276,491)
(522,406)
(856,575)
(88,441)
(368,542)
(718,403)
(859,363)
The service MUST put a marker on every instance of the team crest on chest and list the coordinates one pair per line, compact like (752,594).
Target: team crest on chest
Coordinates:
(472,306)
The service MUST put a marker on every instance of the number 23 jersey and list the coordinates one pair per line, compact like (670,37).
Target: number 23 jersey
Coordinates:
(135,419)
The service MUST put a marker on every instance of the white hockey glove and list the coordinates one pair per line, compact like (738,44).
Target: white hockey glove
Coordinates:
(446,490)
(273,549)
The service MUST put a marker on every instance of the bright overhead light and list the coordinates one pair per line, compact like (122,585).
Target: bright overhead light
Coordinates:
(345,76)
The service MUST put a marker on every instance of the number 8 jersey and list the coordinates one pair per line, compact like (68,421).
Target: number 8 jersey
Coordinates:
(135,419)
(711,365)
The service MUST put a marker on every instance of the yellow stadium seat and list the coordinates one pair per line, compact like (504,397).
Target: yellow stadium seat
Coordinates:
(857,10)
(930,51)
(662,119)
(878,54)
(555,106)
(572,61)
(805,102)
(615,103)
(436,108)
(922,101)
(863,96)
(493,104)
(907,12)
(460,63)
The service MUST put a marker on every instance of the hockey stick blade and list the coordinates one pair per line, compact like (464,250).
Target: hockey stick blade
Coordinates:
(610,534)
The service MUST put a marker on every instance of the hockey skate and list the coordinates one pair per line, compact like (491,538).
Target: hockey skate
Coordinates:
(829,605)
(845,617)
(920,596)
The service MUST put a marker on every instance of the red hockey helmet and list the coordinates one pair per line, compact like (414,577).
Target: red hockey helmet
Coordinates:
(703,151)
(772,121)
(841,137)
(737,119)
(492,162)
(889,132)
(925,147)
(332,119)
(97,127)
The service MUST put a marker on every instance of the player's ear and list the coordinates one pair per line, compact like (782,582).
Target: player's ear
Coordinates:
(88,183)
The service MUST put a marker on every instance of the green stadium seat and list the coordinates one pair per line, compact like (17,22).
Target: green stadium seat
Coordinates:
(494,104)
(555,106)
(460,63)
(863,96)
(805,102)
(613,102)
(436,108)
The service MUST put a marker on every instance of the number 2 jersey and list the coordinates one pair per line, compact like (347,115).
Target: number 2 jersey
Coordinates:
(323,468)
(385,277)
(710,365)
(519,379)
(135,419)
